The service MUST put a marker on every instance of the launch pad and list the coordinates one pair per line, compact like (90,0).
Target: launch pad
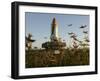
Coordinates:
(56,45)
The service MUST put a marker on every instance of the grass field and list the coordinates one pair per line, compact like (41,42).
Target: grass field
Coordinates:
(42,58)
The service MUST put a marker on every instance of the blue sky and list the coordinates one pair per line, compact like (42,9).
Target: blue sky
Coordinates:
(39,25)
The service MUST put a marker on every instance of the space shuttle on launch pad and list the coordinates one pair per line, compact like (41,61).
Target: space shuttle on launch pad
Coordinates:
(55,43)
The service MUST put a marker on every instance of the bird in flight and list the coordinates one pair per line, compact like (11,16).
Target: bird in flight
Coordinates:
(83,26)
(73,36)
(70,33)
(29,38)
(85,32)
(87,40)
(69,24)
(45,37)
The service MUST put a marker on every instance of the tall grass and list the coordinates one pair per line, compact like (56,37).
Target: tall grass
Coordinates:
(72,57)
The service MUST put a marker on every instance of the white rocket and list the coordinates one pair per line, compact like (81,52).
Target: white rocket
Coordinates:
(54,31)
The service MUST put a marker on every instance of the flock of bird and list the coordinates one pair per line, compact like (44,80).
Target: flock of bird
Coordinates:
(73,35)
(82,26)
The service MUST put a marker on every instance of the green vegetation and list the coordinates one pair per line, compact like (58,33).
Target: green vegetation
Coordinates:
(71,57)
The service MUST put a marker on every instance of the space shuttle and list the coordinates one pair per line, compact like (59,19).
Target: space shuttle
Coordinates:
(54,31)
(55,43)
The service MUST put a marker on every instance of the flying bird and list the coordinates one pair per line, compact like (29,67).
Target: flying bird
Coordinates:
(70,33)
(83,26)
(45,37)
(28,39)
(70,25)
(85,32)
(87,40)
(73,36)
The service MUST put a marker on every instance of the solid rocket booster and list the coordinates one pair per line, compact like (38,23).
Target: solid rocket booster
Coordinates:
(54,30)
